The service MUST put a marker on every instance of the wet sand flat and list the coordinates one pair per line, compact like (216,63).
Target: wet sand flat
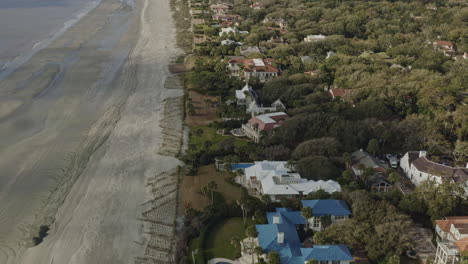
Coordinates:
(81,142)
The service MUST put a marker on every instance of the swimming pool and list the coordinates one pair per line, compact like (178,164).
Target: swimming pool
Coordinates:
(240,166)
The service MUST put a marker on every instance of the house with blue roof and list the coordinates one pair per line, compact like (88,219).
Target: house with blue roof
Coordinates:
(280,235)
(338,210)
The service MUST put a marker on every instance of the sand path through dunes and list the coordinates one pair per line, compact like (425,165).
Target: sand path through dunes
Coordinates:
(122,207)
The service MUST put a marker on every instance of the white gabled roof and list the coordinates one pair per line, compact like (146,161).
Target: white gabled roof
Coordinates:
(267,171)
(267,118)
(240,94)
(263,169)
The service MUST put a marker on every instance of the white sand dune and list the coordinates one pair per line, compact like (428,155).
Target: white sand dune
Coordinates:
(83,154)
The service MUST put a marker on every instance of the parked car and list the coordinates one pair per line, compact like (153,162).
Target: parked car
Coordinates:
(393,160)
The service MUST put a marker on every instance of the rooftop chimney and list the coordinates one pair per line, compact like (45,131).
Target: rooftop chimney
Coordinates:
(422,153)
(280,237)
(276,219)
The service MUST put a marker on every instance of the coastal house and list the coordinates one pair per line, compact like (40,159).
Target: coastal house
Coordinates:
(248,50)
(338,211)
(235,65)
(255,108)
(226,17)
(446,47)
(277,180)
(314,38)
(265,123)
(228,42)
(245,95)
(280,235)
(277,21)
(361,159)
(256,6)
(261,69)
(220,8)
(378,182)
(231,30)
(452,239)
(276,40)
(330,54)
(248,97)
(338,93)
(418,168)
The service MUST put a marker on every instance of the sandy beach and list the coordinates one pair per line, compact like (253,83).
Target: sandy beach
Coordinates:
(88,135)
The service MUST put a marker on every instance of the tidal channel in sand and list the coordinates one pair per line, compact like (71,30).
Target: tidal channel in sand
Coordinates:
(88,135)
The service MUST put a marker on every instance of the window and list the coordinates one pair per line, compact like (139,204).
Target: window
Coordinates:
(323,262)
(316,221)
(335,262)
(339,217)
(420,174)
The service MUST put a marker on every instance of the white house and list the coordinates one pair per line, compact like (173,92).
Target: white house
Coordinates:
(314,38)
(248,50)
(338,211)
(452,239)
(228,30)
(277,180)
(254,108)
(244,95)
(228,42)
(418,168)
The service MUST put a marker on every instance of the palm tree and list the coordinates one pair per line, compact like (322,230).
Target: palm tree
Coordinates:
(251,232)
(204,190)
(245,207)
(235,241)
(306,212)
(312,261)
(290,164)
(212,186)
(266,199)
(258,251)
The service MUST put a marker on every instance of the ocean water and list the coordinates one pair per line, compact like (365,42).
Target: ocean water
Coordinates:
(27,26)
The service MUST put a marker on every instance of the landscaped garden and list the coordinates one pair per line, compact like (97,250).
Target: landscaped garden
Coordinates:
(218,242)
(192,184)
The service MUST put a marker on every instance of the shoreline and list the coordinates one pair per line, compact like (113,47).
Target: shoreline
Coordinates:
(88,208)
(10,66)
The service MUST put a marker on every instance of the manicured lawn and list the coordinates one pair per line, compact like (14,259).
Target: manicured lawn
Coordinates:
(209,134)
(191,186)
(218,244)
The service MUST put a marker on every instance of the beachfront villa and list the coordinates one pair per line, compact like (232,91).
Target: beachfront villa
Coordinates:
(452,239)
(314,38)
(277,180)
(418,168)
(265,123)
(248,97)
(280,235)
(261,69)
(338,211)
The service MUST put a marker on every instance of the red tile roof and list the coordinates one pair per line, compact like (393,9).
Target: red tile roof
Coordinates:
(461,223)
(236,60)
(265,66)
(337,92)
(443,43)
